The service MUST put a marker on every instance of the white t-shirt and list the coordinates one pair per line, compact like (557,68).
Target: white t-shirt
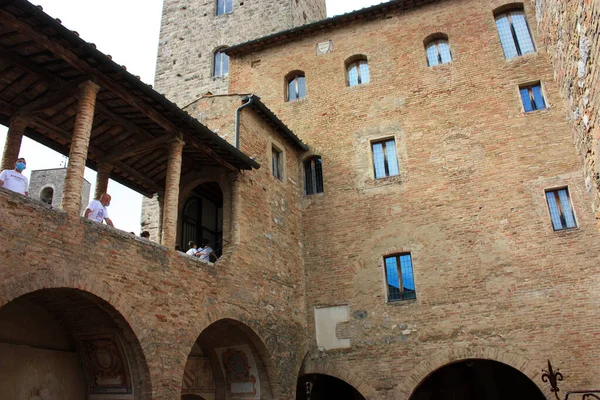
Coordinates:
(205,253)
(15,181)
(191,251)
(98,212)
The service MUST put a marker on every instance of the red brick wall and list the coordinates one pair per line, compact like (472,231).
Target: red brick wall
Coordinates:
(493,279)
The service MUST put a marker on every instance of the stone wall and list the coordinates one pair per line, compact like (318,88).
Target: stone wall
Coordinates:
(493,280)
(569,30)
(55,180)
(191,32)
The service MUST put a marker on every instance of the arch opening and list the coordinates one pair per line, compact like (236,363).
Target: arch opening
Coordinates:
(228,360)
(202,219)
(69,344)
(325,387)
(47,195)
(479,379)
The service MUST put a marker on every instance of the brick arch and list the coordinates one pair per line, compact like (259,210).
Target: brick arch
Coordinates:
(339,370)
(454,354)
(119,306)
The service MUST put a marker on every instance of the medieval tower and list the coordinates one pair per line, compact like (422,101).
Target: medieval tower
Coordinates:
(193,32)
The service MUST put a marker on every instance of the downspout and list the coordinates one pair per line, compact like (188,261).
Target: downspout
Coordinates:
(237,119)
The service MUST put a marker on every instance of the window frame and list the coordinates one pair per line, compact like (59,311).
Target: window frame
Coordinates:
(315,178)
(294,76)
(355,62)
(402,298)
(386,164)
(221,55)
(435,40)
(225,3)
(562,216)
(277,162)
(529,87)
(507,11)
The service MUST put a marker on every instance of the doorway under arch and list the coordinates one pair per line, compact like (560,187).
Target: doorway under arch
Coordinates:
(325,387)
(477,379)
(202,217)
(69,344)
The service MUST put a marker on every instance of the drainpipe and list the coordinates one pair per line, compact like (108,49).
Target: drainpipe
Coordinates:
(237,119)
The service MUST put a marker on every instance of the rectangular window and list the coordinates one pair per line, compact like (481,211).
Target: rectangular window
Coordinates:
(385,160)
(532,97)
(561,211)
(277,158)
(399,277)
(514,34)
(224,6)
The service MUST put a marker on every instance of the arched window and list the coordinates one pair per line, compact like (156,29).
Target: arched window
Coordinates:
(47,195)
(438,50)
(221,63)
(313,175)
(224,6)
(357,69)
(514,33)
(296,86)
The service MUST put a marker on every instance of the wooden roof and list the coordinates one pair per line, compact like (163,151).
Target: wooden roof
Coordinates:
(41,65)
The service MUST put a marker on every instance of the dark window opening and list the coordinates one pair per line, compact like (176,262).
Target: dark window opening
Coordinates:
(203,218)
(313,176)
(325,387)
(277,158)
(47,195)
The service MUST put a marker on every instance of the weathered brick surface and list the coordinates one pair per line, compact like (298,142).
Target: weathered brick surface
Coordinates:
(571,34)
(191,32)
(493,279)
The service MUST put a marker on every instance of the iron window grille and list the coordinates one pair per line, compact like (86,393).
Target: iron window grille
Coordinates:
(399,277)
(277,159)
(296,88)
(438,52)
(514,33)
(313,176)
(385,160)
(561,209)
(221,62)
(358,72)
(532,97)
(224,6)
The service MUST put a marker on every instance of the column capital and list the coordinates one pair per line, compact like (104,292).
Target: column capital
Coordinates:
(18,121)
(89,85)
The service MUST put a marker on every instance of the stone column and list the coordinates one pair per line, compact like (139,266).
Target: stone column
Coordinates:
(102,176)
(12,146)
(71,201)
(169,225)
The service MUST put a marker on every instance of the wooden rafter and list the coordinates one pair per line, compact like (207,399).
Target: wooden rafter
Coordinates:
(132,151)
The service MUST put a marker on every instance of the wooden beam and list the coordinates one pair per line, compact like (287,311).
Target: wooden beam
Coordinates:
(55,95)
(132,151)
(27,65)
(189,139)
(6,108)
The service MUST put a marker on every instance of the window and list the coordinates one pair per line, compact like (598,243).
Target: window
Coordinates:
(313,176)
(47,195)
(221,63)
(385,161)
(399,277)
(561,211)
(358,72)
(438,52)
(277,159)
(514,33)
(224,6)
(532,97)
(296,87)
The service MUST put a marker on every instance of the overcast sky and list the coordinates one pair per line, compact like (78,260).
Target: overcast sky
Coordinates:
(128,30)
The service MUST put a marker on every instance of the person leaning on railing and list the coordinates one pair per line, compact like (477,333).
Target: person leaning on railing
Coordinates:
(96,210)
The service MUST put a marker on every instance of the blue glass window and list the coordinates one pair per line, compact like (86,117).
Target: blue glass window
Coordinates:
(514,34)
(399,277)
(438,52)
(358,73)
(224,6)
(532,98)
(385,160)
(560,208)
(296,88)
(221,63)
(313,176)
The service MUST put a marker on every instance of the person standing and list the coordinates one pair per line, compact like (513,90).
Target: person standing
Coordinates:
(14,179)
(96,210)
(193,249)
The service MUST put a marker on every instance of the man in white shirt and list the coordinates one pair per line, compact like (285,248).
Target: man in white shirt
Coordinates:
(205,252)
(97,212)
(14,179)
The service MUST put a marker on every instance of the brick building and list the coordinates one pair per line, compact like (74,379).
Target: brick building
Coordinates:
(394,195)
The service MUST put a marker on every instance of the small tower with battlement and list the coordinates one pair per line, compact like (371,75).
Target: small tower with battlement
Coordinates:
(193,33)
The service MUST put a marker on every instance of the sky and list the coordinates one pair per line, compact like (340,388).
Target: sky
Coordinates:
(130,36)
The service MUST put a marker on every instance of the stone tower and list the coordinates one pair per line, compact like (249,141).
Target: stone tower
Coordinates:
(48,186)
(193,31)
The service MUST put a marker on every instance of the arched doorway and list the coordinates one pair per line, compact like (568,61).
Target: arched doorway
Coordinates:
(226,361)
(325,387)
(202,217)
(477,379)
(70,345)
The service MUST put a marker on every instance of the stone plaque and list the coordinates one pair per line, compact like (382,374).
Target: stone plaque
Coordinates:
(324,47)
(239,369)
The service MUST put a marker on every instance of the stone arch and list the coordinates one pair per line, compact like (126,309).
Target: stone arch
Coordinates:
(454,354)
(47,194)
(341,371)
(81,344)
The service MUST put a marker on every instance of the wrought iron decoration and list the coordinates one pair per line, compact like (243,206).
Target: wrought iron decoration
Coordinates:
(554,377)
